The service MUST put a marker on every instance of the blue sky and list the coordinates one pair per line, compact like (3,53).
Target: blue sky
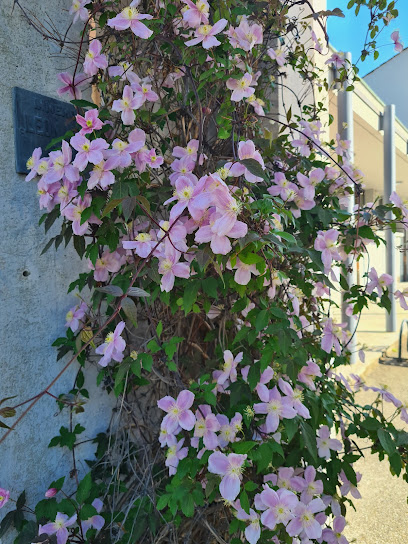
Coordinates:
(348,34)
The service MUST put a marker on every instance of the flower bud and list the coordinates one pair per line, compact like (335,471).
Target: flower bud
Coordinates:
(51,492)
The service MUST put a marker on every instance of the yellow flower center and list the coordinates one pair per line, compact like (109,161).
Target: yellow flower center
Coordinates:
(143,237)
(89,123)
(69,315)
(205,30)
(86,147)
(109,338)
(30,163)
(130,13)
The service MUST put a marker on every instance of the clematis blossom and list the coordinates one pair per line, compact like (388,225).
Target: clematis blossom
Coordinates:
(274,406)
(241,88)
(170,267)
(74,315)
(113,346)
(398,45)
(277,55)
(196,14)
(126,105)
(58,527)
(305,521)
(88,150)
(96,521)
(279,507)
(325,443)
(79,11)
(130,18)
(205,34)
(253,530)
(4,496)
(71,85)
(230,467)
(94,59)
(175,454)
(89,122)
(109,262)
(178,411)
(206,426)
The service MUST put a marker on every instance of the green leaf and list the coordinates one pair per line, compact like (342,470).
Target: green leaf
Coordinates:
(255,168)
(190,296)
(112,290)
(262,320)
(111,205)
(87,511)
(243,497)
(137,292)
(309,438)
(187,505)
(6,523)
(84,488)
(243,447)
(162,502)
(21,501)
(83,104)
(130,310)
(386,441)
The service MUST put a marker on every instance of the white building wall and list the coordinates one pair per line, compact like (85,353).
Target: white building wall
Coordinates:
(390,82)
(33,287)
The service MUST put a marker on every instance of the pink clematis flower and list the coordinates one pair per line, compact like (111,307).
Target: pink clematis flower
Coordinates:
(248,35)
(337,59)
(312,486)
(332,334)
(278,55)
(229,368)
(275,406)
(205,34)
(73,212)
(94,60)
(153,160)
(4,496)
(241,88)
(398,45)
(58,527)
(71,85)
(126,105)
(90,122)
(74,315)
(113,346)
(130,18)
(109,262)
(253,530)
(348,487)
(96,521)
(379,283)
(60,165)
(144,93)
(279,507)
(326,242)
(296,395)
(142,244)
(178,411)
(170,268)
(88,151)
(308,373)
(400,296)
(257,104)
(33,163)
(190,151)
(305,519)
(196,14)
(206,426)
(79,11)
(282,187)
(230,467)
(243,271)
(102,173)
(247,150)
(334,536)
(286,479)
(175,454)
(325,443)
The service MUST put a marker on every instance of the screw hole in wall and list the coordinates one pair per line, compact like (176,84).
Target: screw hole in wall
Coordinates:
(26,273)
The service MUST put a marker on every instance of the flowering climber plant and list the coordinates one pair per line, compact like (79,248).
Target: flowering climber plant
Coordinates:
(214,234)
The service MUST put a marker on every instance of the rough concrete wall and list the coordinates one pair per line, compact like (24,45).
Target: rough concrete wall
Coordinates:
(33,287)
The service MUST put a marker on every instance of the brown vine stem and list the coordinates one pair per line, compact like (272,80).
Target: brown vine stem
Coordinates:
(45,391)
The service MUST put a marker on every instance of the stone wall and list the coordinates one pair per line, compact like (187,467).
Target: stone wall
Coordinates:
(33,287)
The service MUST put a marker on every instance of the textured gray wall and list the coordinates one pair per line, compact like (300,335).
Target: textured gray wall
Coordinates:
(33,306)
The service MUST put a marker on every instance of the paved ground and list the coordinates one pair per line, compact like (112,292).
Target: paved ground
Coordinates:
(382,513)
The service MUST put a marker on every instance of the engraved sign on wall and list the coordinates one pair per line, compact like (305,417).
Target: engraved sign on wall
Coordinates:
(37,120)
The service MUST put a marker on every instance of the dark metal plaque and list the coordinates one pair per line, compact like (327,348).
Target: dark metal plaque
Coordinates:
(37,120)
